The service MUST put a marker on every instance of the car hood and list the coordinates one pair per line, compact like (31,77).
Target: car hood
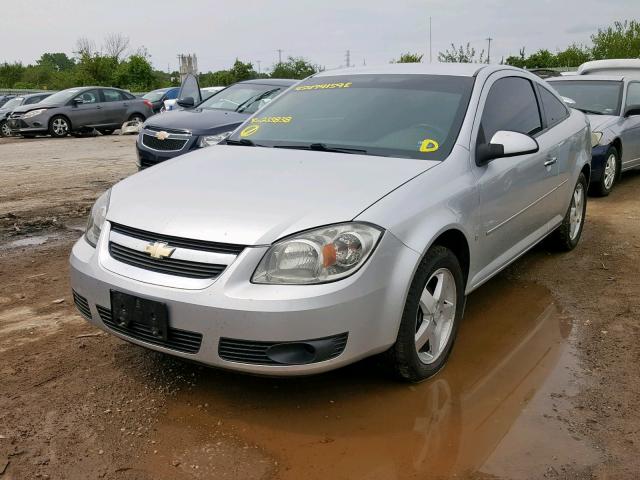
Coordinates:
(35,106)
(198,121)
(598,122)
(255,195)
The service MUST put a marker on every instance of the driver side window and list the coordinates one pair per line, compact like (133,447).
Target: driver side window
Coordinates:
(511,105)
(90,96)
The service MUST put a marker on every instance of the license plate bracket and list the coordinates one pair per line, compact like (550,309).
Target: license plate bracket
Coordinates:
(127,311)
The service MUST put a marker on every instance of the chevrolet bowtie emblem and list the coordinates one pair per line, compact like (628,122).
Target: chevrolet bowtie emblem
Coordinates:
(162,135)
(159,250)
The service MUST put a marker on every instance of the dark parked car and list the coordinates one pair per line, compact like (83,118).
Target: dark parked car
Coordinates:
(176,132)
(76,109)
(14,103)
(157,97)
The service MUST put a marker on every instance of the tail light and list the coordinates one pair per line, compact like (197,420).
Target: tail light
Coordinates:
(148,103)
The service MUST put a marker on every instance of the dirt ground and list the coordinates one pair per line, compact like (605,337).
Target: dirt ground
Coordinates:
(543,381)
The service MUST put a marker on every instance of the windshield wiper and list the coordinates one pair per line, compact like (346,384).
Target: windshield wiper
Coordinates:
(243,141)
(586,110)
(255,98)
(322,147)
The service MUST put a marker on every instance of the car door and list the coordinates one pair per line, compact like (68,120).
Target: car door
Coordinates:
(86,109)
(516,201)
(631,128)
(115,107)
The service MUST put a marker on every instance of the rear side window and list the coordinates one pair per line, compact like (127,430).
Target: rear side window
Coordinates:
(32,100)
(633,94)
(511,105)
(554,109)
(112,96)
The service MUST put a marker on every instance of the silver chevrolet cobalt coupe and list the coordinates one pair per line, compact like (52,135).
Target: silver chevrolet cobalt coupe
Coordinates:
(349,217)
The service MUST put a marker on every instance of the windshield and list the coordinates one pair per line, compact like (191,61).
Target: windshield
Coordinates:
(591,96)
(63,96)
(242,97)
(13,103)
(154,96)
(411,116)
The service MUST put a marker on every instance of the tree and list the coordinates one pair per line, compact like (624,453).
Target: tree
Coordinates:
(409,58)
(242,71)
(541,59)
(136,74)
(10,74)
(115,44)
(58,62)
(622,40)
(519,61)
(461,54)
(297,68)
(85,47)
(573,56)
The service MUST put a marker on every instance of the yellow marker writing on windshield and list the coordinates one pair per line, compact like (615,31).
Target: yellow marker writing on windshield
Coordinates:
(250,130)
(429,145)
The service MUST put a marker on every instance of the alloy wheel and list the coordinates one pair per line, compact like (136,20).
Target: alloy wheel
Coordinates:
(6,131)
(610,171)
(60,126)
(436,315)
(577,211)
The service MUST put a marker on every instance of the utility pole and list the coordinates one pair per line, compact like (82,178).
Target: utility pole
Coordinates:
(348,58)
(279,55)
(430,48)
(489,50)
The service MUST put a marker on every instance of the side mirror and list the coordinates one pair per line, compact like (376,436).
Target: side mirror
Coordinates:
(77,101)
(632,110)
(186,102)
(505,144)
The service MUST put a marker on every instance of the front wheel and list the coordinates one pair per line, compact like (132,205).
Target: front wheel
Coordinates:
(609,176)
(568,234)
(5,131)
(59,127)
(136,117)
(431,316)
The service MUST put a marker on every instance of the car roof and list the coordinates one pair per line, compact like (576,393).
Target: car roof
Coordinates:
(587,78)
(37,94)
(455,69)
(272,81)
(609,64)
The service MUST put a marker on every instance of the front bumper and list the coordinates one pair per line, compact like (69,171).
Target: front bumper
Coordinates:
(35,124)
(366,306)
(598,161)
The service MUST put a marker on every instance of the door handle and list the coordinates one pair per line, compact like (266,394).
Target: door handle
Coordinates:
(98,107)
(550,161)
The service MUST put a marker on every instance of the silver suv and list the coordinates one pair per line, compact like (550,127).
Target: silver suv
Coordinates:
(75,109)
(349,217)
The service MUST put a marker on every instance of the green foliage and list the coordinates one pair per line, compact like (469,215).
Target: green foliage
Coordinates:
(297,68)
(10,74)
(409,58)
(58,62)
(462,54)
(573,56)
(622,40)
(135,73)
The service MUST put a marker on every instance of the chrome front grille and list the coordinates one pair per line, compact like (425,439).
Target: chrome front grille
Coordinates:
(190,259)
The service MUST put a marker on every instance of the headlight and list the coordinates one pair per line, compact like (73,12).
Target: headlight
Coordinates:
(96,218)
(595,138)
(33,113)
(208,140)
(318,256)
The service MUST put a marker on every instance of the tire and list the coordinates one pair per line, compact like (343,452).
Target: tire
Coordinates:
(567,235)
(438,269)
(59,126)
(5,131)
(107,131)
(137,117)
(609,176)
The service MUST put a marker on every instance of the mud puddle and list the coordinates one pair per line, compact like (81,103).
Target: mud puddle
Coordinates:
(495,410)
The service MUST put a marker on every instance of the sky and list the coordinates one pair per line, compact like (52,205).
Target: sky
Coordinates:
(374,31)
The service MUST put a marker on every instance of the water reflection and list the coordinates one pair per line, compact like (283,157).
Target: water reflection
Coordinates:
(356,424)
